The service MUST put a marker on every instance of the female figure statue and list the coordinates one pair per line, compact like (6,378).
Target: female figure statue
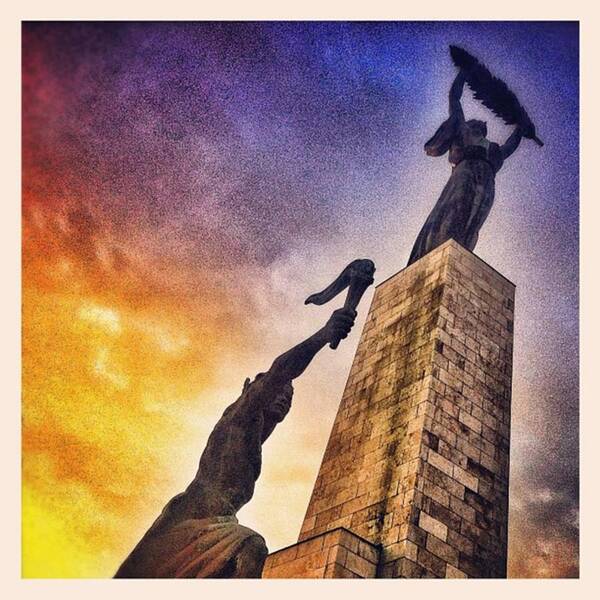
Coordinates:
(468,196)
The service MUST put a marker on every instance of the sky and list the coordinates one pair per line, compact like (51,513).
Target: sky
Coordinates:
(187,185)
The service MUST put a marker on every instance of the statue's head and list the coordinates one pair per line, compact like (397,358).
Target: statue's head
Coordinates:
(280,406)
(477,130)
(279,400)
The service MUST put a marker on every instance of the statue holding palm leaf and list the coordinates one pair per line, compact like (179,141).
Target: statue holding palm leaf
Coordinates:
(467,198)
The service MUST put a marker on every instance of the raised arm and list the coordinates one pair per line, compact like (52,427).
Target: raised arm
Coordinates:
(441,141)
(512,143)
(293,363)
(456,90)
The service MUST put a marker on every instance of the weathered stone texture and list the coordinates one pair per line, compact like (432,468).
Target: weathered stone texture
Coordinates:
(336,554)
(418,457)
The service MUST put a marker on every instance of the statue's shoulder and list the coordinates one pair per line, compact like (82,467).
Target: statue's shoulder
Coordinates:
(447,134)
(248,405)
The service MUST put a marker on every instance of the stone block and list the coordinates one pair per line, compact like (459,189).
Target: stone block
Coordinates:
(359,566)
(439,462)
(339,553)
(465,478)
(433,526)
(434,564)
(460,542)
(438,494)
(442,550)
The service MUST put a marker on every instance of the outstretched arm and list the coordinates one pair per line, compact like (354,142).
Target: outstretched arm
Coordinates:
(293,363)
(512,143)
(456,90)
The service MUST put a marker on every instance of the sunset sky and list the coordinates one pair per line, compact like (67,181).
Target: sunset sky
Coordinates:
(187,185)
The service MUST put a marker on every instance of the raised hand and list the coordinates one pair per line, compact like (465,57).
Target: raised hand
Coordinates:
(339,325)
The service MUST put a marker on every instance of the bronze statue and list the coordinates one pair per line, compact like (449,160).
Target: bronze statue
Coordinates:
(197,534)
(467,198)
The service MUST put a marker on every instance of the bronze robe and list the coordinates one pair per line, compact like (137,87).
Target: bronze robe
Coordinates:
(467,198)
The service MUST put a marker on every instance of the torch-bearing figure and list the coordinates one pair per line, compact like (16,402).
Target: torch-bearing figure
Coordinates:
(197,534)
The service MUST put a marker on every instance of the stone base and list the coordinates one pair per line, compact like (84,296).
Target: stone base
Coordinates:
(418,458)
(337,554)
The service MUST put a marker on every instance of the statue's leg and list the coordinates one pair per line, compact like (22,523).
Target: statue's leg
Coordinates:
(444,221)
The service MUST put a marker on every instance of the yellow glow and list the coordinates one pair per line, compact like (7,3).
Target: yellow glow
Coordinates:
(102,316)
(104,369)
(98,462)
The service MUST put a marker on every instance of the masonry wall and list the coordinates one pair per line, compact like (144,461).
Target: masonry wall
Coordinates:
(417,461)
(338,554)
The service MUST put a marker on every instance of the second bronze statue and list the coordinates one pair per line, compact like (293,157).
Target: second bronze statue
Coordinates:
(197,534)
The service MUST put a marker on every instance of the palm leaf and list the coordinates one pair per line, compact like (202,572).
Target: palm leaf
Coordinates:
(493,93)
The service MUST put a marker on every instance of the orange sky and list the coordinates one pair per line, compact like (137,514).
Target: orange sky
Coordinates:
(123,379)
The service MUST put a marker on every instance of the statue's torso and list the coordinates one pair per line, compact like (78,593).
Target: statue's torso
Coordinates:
(231,461)
(461,149)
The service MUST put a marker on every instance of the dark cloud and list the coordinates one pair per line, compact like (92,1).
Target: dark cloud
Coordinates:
(170,121)
(544,531)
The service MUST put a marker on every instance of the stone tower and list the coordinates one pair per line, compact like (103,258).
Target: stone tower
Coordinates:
(414,479)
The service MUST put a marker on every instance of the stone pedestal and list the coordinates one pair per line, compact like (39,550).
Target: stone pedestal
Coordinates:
(418,457)
(336,554)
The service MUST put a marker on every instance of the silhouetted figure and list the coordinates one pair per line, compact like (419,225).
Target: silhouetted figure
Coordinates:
(198,535)
(467,198)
